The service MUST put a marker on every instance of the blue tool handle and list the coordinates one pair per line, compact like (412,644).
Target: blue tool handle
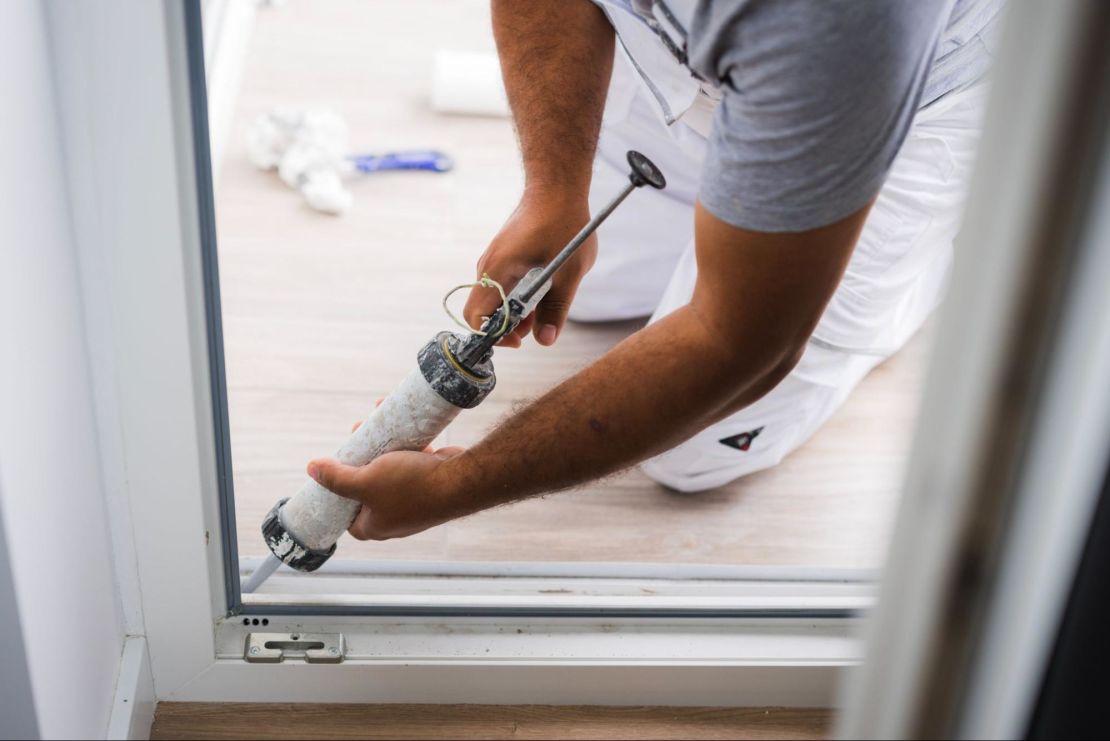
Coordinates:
(421,160)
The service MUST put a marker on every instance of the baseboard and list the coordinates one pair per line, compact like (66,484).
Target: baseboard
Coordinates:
(133,705)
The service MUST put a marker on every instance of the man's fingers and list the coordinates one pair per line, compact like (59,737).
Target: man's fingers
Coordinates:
(551,314)
(482,301)
(361,527)
(448,452)
(516,337)
(336,477)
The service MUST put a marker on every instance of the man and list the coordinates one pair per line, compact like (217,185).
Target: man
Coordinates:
(816,153)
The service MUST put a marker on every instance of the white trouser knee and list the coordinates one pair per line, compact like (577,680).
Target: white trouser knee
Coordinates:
(894,279)
(759,436)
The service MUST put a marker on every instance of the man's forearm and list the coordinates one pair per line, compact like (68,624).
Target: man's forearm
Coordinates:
(556,58)
(650,392)
(757,300)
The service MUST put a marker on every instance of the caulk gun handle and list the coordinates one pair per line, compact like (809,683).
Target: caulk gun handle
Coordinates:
(524,286)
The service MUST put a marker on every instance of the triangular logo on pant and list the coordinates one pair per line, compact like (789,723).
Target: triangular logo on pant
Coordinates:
(743,441)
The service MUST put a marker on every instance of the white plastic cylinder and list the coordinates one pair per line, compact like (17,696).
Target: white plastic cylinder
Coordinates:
(468,83)
(408,419)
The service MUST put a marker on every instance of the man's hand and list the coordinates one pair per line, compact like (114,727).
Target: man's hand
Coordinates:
(402,493)
(556,59)
(533,235)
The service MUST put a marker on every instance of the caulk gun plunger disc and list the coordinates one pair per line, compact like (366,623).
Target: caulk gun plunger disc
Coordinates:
(644,171)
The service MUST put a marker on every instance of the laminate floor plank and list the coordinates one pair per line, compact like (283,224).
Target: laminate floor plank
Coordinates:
(178,720)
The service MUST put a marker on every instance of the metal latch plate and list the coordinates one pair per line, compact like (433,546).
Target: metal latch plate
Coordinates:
(314,648)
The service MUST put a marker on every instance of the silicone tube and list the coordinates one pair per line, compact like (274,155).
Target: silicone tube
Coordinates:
(408,419)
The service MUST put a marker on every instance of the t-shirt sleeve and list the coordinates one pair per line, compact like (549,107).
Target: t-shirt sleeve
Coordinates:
(817,98)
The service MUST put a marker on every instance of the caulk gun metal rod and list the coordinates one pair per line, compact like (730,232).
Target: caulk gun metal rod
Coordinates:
(261,574)
(575,243)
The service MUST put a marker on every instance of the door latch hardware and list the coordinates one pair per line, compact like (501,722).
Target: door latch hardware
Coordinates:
(314,648)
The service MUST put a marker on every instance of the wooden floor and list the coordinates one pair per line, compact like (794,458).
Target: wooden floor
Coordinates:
(323,314)
(176,720)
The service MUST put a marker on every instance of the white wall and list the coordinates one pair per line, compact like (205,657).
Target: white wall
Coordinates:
(51,494)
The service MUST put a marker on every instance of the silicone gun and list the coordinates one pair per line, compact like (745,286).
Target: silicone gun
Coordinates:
(454,372)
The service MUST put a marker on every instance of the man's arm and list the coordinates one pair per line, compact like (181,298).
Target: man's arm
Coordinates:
(757,300)
(556,59)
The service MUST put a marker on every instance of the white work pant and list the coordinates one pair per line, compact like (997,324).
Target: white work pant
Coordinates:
(896,277)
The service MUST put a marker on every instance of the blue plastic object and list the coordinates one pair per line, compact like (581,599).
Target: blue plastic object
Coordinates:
(422,160)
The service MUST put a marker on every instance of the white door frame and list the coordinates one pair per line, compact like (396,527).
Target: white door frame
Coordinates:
(123,78)
(133,206)
(1012,444)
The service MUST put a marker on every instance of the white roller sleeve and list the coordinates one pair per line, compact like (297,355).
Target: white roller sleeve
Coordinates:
(408,419)
(469,83)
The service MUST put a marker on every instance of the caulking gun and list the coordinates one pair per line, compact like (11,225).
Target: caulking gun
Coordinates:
(454,372)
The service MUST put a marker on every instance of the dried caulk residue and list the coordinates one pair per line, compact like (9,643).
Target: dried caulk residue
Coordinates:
(408,419)
(285,547)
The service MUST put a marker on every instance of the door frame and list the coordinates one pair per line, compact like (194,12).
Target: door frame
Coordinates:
(1014,438)
(138,168)
(140,194)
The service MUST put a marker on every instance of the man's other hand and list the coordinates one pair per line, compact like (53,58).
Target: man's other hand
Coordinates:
(533,235)
(402,493)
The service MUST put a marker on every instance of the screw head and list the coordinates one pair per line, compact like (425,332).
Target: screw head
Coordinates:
(254,649)
(333,650)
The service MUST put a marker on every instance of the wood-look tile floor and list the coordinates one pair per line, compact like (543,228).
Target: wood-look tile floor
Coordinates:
(195,720)
(324,314)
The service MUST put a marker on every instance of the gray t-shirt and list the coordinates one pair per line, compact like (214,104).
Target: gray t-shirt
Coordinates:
(818,96)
